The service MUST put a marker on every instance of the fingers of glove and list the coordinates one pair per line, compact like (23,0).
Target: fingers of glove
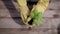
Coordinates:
(22,2)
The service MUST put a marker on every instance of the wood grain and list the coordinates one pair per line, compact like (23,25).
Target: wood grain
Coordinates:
(11,23)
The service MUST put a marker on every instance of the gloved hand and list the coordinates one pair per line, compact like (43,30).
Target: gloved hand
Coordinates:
(35,14)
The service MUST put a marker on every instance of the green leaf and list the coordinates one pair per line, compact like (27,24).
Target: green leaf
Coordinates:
(36,22)
(42,19)
(39,15)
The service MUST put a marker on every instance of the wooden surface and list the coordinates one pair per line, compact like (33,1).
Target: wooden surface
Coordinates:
(11,23)
(10,9)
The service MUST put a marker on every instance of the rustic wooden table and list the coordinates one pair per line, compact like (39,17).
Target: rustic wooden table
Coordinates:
(11,23)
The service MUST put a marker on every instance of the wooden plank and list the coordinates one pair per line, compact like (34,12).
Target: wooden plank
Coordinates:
(5,4)
(16,23)
(53,4)
(7,13)
(2,5)
(48,32)
(19,31)
(11,23)
(12,10)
